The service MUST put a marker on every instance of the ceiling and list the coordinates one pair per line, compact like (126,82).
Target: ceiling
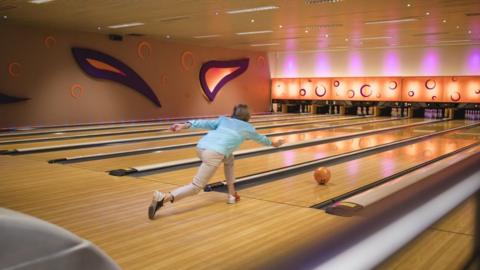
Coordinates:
(292,25)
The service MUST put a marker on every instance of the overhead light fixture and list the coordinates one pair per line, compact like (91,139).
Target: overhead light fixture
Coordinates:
(469,32)
(254,32)
(39,1)
(252,20)
(207,36)
(371,38)
(326,35)
(246,10)
(174,18)
(264,44)
(444,20)
(409,5)
(5,17)
(125,25)
(393,21)
(280,26)
(168,36)
(427,13)
(310,2)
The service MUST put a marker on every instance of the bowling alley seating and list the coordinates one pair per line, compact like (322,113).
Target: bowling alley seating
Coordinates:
(30,243)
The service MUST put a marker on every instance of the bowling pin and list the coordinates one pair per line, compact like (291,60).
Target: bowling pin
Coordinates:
(364,110)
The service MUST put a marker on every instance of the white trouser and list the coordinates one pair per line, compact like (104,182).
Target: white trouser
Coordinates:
(211,160)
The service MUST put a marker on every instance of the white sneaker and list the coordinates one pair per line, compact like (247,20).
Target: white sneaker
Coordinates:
(157,203)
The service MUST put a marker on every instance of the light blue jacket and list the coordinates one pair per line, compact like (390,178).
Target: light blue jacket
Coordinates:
(226,134)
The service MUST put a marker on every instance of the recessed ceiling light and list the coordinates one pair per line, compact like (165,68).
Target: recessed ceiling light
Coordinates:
(393,21)
(280,26)
(99,28)
(444,20)
(216,13)
(409,5)
(469,32)
(458,27)
(246,10)
(254,32)
(207,36)
(173,18)
(264,44)
(5,17)
(167,36)
(326,35)
(427,13)
(306,31)
(39,1)
(346,39)
(252,20)
(125,25)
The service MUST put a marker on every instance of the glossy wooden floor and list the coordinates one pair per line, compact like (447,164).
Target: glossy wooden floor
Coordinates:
(203,232)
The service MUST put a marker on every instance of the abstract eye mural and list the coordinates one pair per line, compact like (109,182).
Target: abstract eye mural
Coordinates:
(215,74)
(6,99)
(103,66)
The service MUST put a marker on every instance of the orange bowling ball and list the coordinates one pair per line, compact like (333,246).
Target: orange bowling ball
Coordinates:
(322,175)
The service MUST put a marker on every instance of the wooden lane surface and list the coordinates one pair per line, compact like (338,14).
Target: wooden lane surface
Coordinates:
(57,132)
(59,141)
(184,153)
(202,232)
(276,160)
(446,245)
(174,141)
(302,190)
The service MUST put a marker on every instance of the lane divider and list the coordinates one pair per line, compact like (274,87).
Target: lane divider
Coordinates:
(184,145)
(29,150)
(255,151)
(255,179)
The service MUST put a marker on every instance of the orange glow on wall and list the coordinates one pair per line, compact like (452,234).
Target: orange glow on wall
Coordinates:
(215,75)
(406,89)
(461,89)
(422,89)
(104,66)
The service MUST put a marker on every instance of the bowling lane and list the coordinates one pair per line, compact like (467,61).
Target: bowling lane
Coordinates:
(190,152)
(174,141)
(302,190)
(277,160)
(16,145)
(145,128)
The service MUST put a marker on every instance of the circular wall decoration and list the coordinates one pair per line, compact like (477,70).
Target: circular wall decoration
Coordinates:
(430,84)
(261,61)
(302,92)
(477,91)
(434,97)
(187,60)
(455,96)
(336,83)
(362,90)
(49,42)
(379,95)
(144,50)
(76,91)
(14,69)
(411,93)
(392,85)
(321,93)
(350,93)
(454,79)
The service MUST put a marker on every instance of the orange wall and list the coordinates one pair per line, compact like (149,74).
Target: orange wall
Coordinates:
(46,75)
(464,89)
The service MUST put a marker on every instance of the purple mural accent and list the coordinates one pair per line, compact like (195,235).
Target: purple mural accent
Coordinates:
(6,99)
(321,94)
(430,84)
(241,64)
(361,90)
(103,66)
